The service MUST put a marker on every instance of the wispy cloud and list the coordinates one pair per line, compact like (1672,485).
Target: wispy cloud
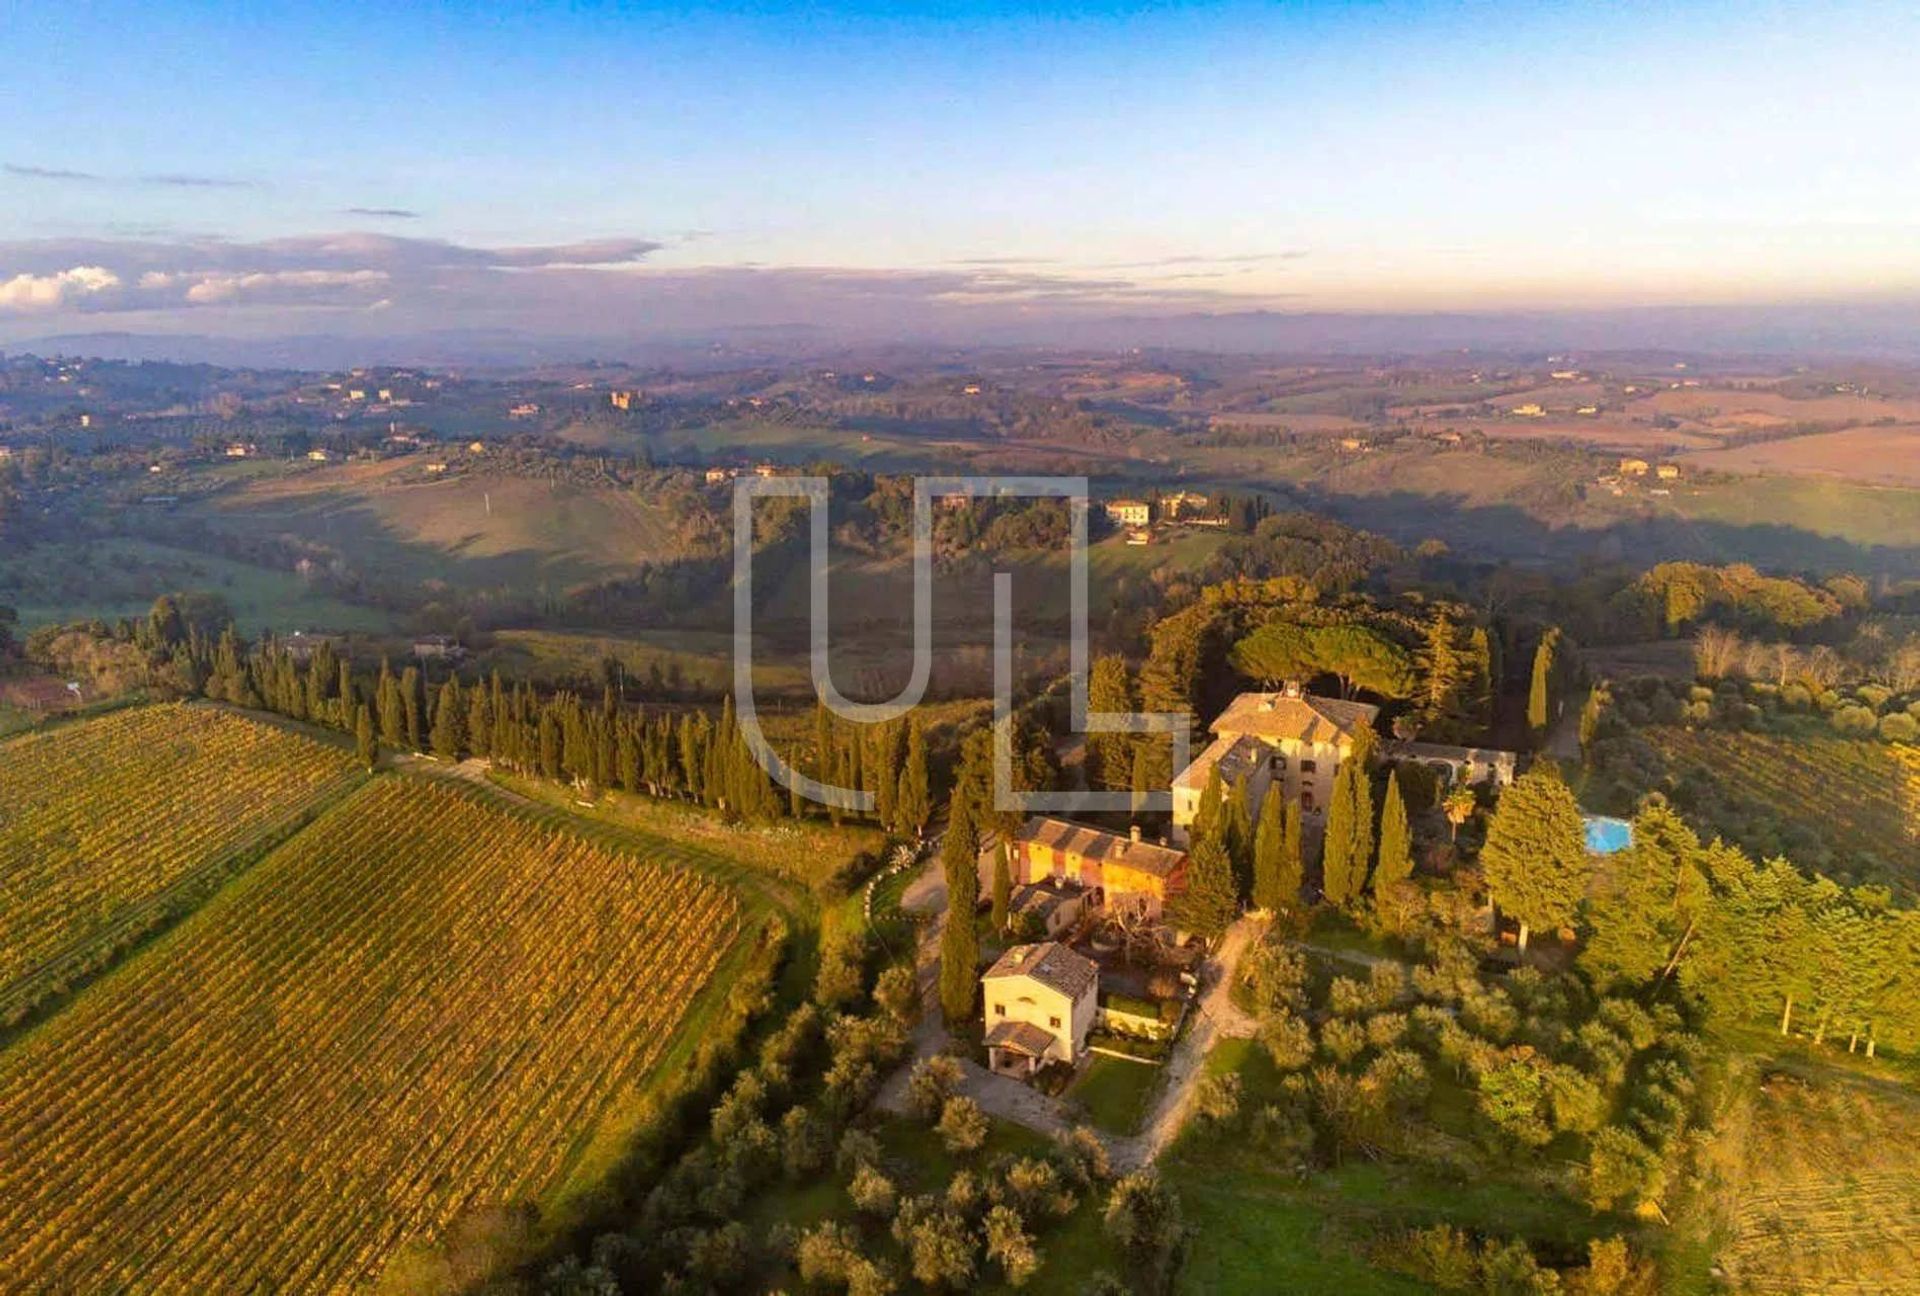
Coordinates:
(382,213)
(47,173)
(173,180)
(158,180)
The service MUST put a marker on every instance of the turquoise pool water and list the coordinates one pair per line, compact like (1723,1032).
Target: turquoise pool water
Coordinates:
(1605,834)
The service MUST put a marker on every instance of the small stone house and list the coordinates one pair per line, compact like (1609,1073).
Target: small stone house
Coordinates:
(1041,1000)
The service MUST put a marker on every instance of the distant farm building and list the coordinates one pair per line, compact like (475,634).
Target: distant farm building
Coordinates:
(1668,472)
(438,648)
(1633,467)
(1129,512)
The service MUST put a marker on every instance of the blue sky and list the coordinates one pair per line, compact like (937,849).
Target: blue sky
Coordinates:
(760,164)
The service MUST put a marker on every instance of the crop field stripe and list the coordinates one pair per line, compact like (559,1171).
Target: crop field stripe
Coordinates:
(404,1012)
(108,824)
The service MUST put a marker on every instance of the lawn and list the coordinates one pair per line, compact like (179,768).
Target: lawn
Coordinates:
(1115,1092)
(119,577)
(1269,1227)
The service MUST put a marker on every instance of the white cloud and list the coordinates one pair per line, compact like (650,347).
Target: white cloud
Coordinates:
(30,292)
(279,284)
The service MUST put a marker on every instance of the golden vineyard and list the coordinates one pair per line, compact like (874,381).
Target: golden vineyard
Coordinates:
(104,825)
(410,1010)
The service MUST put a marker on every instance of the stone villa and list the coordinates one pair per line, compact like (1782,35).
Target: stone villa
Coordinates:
(1300,739)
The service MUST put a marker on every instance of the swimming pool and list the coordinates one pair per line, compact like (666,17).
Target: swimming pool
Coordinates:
(1605,834)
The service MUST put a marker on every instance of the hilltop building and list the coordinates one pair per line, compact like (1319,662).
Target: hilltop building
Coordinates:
(1292,736)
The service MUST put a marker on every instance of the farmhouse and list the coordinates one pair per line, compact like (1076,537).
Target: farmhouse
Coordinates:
(1633,467)
(439,648)
(1129,512)
(1114,871)
(1040,1003)
(1292,736)
(1182,503)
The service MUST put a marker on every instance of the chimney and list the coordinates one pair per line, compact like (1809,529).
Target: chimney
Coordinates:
(1134,832)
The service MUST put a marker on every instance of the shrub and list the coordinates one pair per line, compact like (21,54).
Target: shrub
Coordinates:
(931,1084)
(1386,1029)
(1348,997)
(1287,1040)
(963,1126)
(1899,727)
(1217,1098)
(872,1192)
(1343,1040)
(1853,720)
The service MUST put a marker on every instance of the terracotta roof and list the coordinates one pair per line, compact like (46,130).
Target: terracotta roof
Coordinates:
(1306,718)
(1041,899)
(1020,1037)
(1233,753)
(1051,964)
(1098,844)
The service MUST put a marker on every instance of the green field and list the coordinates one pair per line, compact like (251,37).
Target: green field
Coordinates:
(475,528)
(120,577)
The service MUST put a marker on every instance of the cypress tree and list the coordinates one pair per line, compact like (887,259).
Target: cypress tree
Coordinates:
(959,943)
(363,736)
(1269,845)
(1002,888)
(1209,902)
(1396,840)
(1206,817)
(1293,860)
(1337,865)
(1540,691)
(410,705)
(913,800)
(1365,746)
(479,729)
(448,721)
(1237,836)
(393,716)
(349,697)
(550,751)
(1142,782)
(885,774)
